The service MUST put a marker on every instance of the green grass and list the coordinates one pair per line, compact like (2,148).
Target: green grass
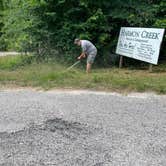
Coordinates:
(12,62)
(20,71)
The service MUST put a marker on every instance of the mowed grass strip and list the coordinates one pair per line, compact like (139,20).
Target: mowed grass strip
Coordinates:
(53,75)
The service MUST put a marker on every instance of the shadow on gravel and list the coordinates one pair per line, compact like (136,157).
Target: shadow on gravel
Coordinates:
(55,142)
(68,129)
(60,126)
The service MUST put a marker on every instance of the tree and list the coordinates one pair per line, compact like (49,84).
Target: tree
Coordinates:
(48,25)
(2,43)
(160,22)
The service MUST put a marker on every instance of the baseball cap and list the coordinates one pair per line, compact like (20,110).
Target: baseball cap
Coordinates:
(76,40)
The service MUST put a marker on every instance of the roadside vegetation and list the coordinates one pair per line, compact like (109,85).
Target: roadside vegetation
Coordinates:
(46,27)
(25,71)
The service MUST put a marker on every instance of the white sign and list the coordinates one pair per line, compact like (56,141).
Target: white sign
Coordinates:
(140,43)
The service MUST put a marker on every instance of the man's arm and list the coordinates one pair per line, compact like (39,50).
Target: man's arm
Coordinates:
(83,55)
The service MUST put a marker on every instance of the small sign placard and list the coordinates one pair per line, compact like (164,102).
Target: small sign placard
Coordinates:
(140,43)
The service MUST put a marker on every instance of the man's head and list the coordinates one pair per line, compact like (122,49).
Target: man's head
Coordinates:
(77,42)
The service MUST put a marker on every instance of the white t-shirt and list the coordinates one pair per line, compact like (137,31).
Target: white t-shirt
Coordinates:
(88,47)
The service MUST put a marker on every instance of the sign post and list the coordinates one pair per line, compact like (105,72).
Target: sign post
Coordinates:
(121,61)
(140,43)
(150,68)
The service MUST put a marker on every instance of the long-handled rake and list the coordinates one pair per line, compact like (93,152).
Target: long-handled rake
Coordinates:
(73,65)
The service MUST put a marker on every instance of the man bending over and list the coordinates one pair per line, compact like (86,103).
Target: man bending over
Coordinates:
(88,50)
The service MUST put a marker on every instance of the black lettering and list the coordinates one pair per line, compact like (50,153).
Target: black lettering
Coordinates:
(149,35)
(130,33)
(144,34)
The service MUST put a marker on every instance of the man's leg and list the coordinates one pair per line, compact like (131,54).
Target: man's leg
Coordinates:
(90,60)
(88,67)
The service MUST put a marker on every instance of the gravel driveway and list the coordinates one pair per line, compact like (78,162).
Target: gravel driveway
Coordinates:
(8,53)
(81,128)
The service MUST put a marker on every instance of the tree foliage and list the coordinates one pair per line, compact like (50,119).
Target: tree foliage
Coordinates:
(47,26)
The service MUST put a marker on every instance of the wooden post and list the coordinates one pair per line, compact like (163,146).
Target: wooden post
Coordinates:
(121,61)
(150,67)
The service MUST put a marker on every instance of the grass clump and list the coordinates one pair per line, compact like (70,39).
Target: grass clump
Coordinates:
(13,62)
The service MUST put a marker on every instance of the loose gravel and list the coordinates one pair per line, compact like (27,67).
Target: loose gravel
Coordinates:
(81,128)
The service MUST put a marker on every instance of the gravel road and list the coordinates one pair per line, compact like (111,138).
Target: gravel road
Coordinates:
(8,53)
(81,128)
